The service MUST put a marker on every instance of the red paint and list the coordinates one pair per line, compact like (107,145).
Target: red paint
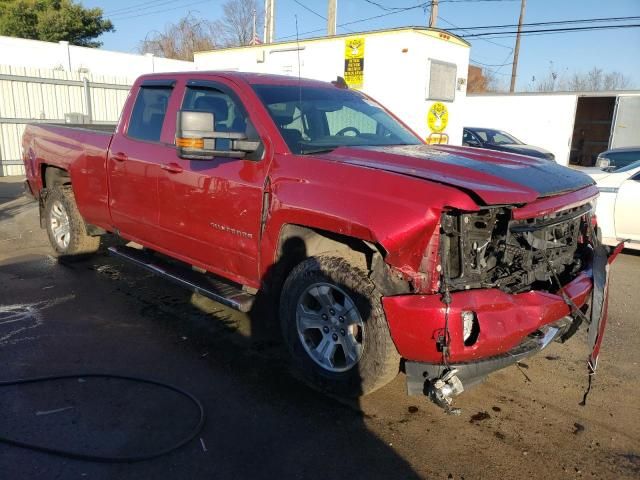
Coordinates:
(545,206)
(181,207)
(416,320)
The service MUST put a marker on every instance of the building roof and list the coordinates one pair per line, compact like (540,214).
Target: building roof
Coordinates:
(604,93)
(432,32)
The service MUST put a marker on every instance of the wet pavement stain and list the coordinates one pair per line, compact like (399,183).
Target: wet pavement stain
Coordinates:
(579,428)
(480,416)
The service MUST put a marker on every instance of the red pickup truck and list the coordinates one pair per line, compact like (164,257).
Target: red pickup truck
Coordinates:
(380,253)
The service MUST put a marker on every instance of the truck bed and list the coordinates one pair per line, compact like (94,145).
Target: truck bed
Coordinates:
(79,149)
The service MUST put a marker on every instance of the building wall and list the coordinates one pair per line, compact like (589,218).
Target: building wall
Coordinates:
(542,120)
(43,81)
(396,78)
(65,57)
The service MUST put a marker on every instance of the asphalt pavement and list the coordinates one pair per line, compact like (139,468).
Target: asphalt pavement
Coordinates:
(103,316)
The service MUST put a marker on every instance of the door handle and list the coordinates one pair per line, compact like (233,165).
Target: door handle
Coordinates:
(172,167)
(119,157)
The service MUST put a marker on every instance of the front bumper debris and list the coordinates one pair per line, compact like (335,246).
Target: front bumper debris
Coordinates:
(416,321)
(421,377)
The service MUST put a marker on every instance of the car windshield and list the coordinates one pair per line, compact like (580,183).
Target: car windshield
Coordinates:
(317,119)
(621,159)
(496,137)
(631,166)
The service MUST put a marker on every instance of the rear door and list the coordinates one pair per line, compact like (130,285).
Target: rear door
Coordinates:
(210,210)
(626,210)
(134,161)
(626,123)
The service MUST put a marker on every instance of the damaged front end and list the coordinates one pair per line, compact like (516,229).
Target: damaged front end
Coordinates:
(489,249)
(509,286)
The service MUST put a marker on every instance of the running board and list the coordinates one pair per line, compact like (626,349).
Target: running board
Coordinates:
(215,288)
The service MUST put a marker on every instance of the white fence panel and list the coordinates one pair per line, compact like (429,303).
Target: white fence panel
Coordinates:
(41,95)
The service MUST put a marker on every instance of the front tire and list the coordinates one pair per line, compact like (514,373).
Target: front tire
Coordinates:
(65,227)
(335,328)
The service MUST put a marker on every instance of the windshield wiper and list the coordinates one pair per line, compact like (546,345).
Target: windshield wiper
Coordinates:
(308,151)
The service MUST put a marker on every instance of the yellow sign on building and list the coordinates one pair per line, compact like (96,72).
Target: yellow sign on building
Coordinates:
(354,62)
(437,117)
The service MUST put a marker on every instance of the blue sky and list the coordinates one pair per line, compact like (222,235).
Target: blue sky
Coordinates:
(609,49)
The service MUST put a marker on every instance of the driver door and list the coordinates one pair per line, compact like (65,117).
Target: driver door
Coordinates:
(210,209)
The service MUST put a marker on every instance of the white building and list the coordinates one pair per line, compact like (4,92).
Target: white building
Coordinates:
(420,74)
(574,126)
(21,52)
(58,82)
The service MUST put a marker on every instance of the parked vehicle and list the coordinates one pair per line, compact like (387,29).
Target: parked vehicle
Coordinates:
(617,158)
(373,246)
(501,141)
(617,210)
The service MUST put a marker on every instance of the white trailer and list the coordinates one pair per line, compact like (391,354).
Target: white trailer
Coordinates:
(420,74)
(574,126)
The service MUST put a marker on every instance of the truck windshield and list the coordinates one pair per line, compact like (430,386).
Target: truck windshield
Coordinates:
(317,119)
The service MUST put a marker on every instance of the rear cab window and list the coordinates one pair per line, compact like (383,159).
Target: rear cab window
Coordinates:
(149,111)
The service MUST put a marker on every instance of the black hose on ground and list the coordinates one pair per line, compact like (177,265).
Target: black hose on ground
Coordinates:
(106,458)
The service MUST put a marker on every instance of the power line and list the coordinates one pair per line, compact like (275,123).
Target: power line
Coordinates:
(163,10)
(136,7)
(557,22)
(465,30)
(310,10)
(316,13)
(352,22)
(548,30)
(490,64)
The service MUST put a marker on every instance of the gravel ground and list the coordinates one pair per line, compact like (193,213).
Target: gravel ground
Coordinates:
(101,315)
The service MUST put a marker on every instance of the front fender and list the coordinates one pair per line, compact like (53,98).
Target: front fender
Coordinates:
(398,212)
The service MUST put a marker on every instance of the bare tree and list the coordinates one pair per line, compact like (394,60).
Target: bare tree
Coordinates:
(190,34)
(594,80)
(180,40)
(597,80)
(237,24)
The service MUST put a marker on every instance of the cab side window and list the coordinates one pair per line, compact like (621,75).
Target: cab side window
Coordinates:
(148,113)
(228,116)
(467,137)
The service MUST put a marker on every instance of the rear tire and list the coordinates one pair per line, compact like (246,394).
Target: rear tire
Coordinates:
(335,328)
(65,226)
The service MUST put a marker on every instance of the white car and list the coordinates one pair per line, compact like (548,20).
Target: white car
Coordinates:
(618,204)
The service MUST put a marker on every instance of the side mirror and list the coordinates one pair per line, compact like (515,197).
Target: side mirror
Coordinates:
(196,138)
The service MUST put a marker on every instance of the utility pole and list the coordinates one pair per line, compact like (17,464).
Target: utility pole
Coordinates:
(516,51)
(332,18)
(269,16)
(433,17)
(254,33)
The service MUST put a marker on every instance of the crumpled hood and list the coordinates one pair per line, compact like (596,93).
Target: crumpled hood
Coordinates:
(495,177)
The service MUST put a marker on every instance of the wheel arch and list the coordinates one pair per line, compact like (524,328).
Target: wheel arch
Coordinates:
(297,242)
(53,176)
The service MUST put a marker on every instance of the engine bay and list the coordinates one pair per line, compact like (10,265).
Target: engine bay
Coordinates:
(489,249)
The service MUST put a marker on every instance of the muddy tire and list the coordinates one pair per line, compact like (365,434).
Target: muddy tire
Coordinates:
(65,227)
(335,328)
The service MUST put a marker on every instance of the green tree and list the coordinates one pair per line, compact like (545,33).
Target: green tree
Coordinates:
(53,21)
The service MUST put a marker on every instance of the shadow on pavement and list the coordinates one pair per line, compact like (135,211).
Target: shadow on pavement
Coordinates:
(106,316)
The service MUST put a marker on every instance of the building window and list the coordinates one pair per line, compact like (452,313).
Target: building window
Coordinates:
(442,81)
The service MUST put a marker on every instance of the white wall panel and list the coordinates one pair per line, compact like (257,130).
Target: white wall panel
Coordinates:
(542,120)
(28,93)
